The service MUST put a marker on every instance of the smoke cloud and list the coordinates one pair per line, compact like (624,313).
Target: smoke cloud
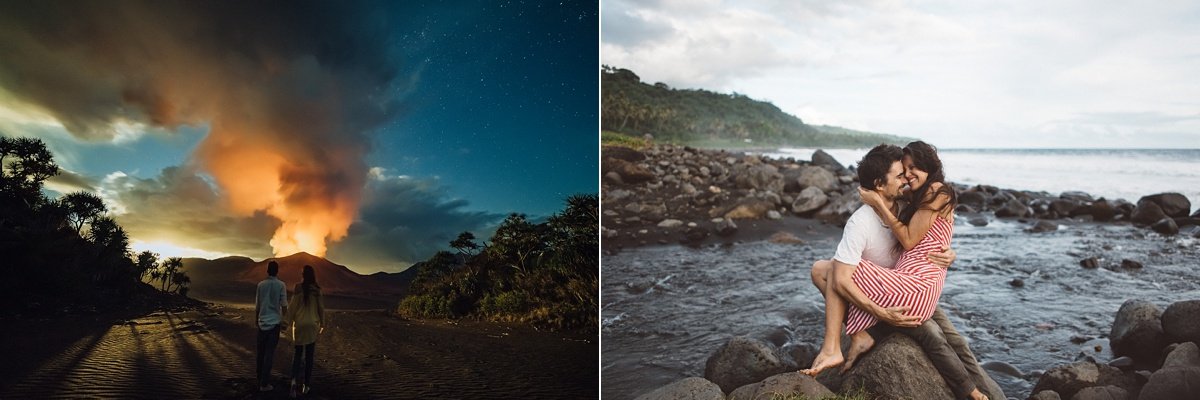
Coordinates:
(289,92)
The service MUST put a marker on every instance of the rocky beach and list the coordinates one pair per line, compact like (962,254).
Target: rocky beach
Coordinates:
(702,246)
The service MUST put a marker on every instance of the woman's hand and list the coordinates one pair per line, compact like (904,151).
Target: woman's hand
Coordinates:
(870,197)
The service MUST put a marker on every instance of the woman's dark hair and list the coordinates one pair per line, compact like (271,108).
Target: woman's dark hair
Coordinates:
(309,284)
(873,168)
(925,158)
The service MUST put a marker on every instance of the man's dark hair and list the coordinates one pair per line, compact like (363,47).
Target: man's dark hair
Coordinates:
(873,168)
(272,268)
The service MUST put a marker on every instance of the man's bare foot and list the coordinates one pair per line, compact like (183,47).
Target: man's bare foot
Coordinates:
(859,344)
(977,395)
(825,360)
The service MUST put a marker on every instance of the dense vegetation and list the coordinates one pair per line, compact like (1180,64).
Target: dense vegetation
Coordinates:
(709,119)
(545,274)
(65,252)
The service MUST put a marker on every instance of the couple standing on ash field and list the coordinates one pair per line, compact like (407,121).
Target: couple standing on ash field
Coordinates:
(305,315)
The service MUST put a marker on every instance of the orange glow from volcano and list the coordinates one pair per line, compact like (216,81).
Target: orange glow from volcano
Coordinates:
(313,195)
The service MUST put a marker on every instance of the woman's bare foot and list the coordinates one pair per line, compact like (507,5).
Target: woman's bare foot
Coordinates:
(824,360)
(977,395)
(860,343)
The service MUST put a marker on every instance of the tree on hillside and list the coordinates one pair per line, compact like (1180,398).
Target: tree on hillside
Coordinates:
(465,244)
(145,263)
(166,271)
(82,208)
(518,242)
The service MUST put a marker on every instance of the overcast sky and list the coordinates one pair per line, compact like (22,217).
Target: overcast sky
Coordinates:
(1073,74)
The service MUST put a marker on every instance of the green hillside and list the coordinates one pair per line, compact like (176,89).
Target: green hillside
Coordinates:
(708,119)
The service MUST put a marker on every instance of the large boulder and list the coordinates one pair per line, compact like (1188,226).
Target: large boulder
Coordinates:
(761,177)
(820,178)
(1101,393)
(1181,321)
(975,199)
(742,361)
(622,153)
(1179,377)
(1013,208)
(897,368)
(783,385)
(629,173)
(1045,395)
(822,159)
(839,208)
(1175,205)
(1165,226)
(1067,380)
(1137,331)
(693,388)
(810,199)
(1146,213)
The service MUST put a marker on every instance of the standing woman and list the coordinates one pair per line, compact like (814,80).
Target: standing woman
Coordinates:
(307,314)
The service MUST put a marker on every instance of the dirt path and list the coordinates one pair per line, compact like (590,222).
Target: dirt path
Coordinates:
(209,353)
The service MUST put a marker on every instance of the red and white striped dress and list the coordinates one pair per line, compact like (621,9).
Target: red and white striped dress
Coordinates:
(914,282)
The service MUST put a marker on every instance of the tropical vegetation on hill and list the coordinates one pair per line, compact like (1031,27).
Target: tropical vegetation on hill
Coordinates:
(545,274)
(703,118)
(65,252)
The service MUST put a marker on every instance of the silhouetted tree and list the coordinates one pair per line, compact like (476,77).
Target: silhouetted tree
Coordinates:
(465,244)
(167,271)
(145,263)
(82,208)
(517,241)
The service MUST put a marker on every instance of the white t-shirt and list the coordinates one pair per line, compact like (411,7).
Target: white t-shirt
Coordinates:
(271,297)
(866,237)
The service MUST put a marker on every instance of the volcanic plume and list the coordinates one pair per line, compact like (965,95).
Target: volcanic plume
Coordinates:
(288,91)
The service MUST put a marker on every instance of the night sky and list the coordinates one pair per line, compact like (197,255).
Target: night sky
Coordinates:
(424,120)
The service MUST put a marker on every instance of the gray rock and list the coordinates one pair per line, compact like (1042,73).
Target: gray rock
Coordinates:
(772,214)
(1146,213)
(817,177)
(1181,321)
(1064,207)
(809,199)
(783,385)
(670,223)
(821,158)
(1045,395)
(1012,208)
(742,361)
(1090,263)
(1172,384)
(1067,380)
(976,200)
(629,173)
(839,208)
(802,354)
(1175,205)
(613,177)
(1185,355)
(978,220)
(1166,226)
(758,177)
(1101,393)
(617,195)
(1137,331)
(687,188)
(1122,362)
(693,388)
(876,373)
(1076,196)
(1101,211)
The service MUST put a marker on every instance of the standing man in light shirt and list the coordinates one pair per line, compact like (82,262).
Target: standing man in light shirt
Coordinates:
(268,311)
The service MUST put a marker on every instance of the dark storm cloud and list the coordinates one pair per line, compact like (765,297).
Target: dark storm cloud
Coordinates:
(405,220)
(289,90)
